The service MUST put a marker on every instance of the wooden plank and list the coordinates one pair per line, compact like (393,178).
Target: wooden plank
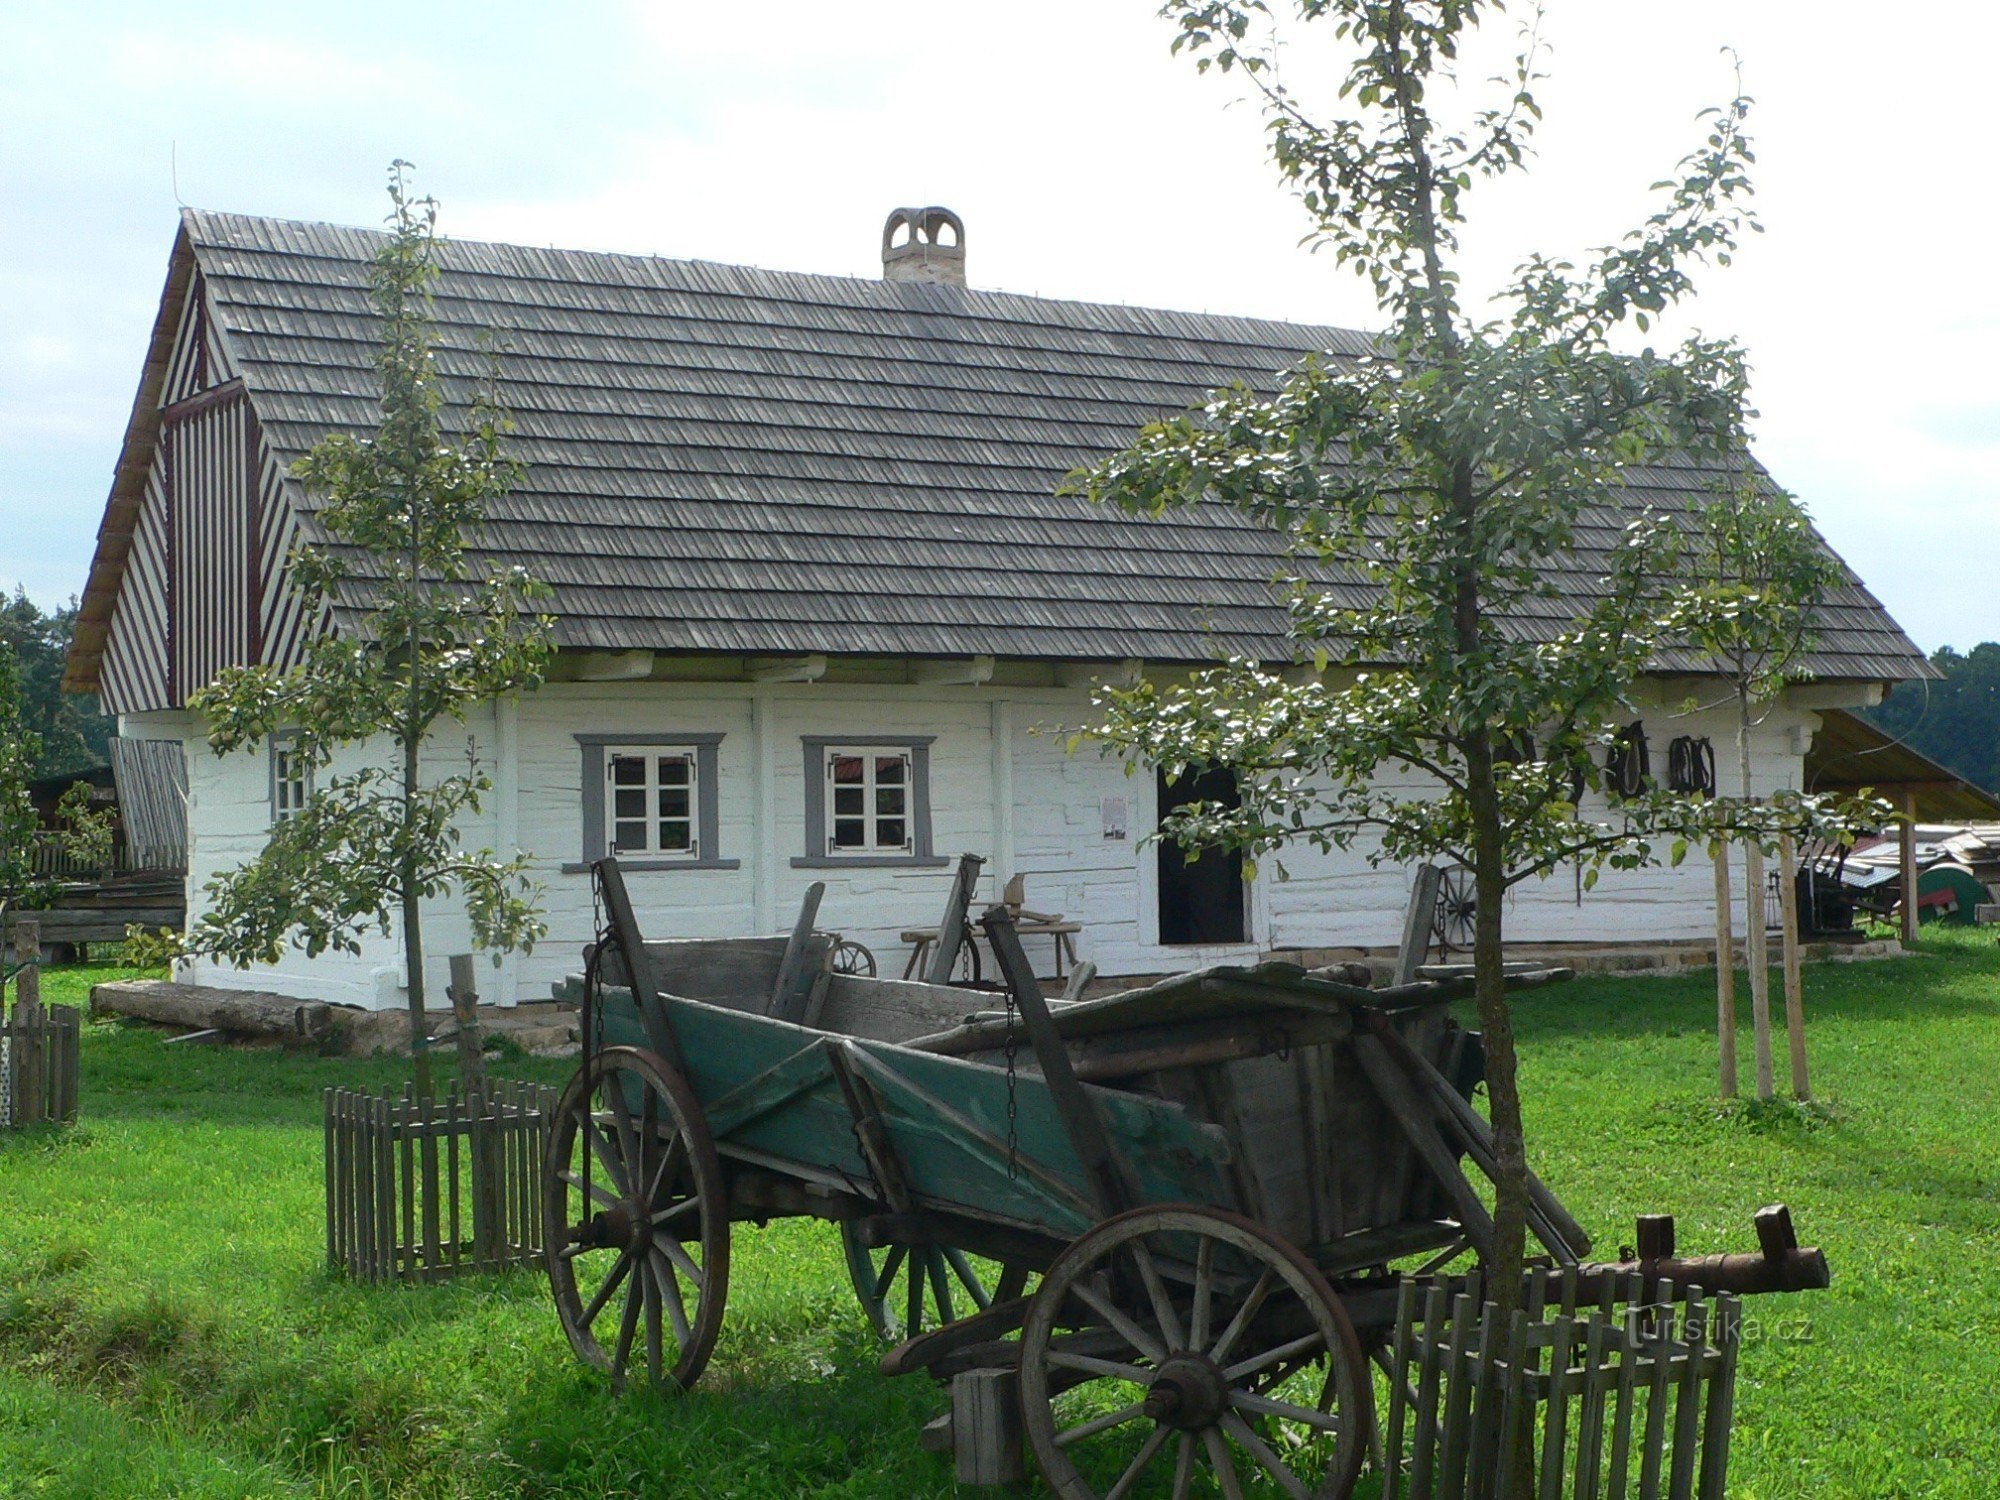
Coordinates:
(1417,919)
(1727,1327)
(1423,1465)
(406,1115)
(1419,1126)
(986,1432)
(1458,1395)
(1687,1400)
(1401,1347)
(1590,1418)
(1103,1164)
(952,931)
(792,987)
(1555,1424)
(895,1010)
(641,975)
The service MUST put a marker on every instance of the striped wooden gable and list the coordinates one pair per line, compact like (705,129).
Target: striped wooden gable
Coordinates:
(206,584)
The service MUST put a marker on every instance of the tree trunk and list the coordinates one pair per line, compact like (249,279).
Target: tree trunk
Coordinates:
(1756,952)
(413,935)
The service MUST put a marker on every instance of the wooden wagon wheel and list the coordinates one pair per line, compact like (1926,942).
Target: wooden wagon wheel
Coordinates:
(1185,1351)
(635,1219)
(850,957)
(910,1289)
(1457,911)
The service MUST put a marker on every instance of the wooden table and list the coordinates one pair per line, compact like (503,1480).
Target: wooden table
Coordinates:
(1062,932)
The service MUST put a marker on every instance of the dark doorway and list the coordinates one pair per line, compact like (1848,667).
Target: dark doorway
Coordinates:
(1200,902)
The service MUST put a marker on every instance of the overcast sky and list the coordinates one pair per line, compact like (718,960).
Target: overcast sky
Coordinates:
(1085,160)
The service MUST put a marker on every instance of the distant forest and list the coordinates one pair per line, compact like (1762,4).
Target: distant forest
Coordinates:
(1955,722)
(75,732)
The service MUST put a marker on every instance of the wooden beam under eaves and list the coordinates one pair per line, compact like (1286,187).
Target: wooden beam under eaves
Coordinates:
(614,666)
(808,668)
(1123,674)
(972,671)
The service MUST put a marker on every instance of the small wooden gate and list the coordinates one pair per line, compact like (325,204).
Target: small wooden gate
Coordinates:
(419,1189)
(39,1065)
(1621,1397)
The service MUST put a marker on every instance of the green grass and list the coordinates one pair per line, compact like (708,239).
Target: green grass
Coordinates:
(167,1328)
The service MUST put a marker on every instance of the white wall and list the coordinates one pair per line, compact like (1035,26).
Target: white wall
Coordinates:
(1002,784)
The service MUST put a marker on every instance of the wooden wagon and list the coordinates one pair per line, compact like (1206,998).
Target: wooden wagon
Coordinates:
(1211,1176)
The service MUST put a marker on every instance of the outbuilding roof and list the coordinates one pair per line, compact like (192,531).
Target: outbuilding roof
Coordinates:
(729,459)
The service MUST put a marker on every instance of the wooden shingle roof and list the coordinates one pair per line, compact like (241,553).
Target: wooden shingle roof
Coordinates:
(729,459)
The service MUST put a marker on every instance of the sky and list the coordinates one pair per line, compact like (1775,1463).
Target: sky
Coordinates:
(1086,161)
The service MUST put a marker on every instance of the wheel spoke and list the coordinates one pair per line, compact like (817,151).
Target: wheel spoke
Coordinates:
(1266,1406)
(670,1289)
(1096,1425)
(683,1262)
(1243,1316)
(1110,1369)
(1131,1332)
(661,1173)
(1277,1356)
(940,1287)
(604,1152)
(913,1295)
(650,1279)
(887,1275)
(1184,1467)
(597,1194)
(1266,1459)
(1156,1291)
(1220,1461)
(968,1278)
(628,1325)
(1204,1292)
(596,1304)
(628,1133)
(1155,1440)
(675,1210)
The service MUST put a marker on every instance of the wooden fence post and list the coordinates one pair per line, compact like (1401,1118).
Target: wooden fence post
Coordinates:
(1725,973)
(1906,841)
(1795,1007)
(30,1065)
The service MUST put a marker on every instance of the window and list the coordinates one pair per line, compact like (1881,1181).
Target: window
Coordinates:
(291,778)
(868,801)
(651,799)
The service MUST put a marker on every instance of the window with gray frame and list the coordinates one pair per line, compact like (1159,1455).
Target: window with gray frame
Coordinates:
(651,799)
(868,800)
(291,778)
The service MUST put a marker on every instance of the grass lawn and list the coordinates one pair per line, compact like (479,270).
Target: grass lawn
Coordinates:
(167,1328)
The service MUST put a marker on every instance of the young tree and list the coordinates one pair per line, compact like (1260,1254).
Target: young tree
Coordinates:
(373,844)
(1757,575)
(1433,494)
(20,747)
(75,733)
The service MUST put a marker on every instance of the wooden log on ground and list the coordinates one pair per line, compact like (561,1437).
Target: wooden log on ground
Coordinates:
(296,1023)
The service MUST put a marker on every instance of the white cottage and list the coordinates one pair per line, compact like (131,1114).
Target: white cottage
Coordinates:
(820,606)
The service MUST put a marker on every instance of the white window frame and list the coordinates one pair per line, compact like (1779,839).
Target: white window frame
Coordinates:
(871,788)
(651,788)
(291,778)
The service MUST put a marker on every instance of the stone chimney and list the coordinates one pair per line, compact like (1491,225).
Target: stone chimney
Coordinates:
(924,244)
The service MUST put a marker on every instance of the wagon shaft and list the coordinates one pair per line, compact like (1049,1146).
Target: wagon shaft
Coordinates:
(1780,1264)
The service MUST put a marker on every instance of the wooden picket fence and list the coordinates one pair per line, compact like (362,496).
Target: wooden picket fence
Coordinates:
(40,1065)
(420,1189)
(1623,1398)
